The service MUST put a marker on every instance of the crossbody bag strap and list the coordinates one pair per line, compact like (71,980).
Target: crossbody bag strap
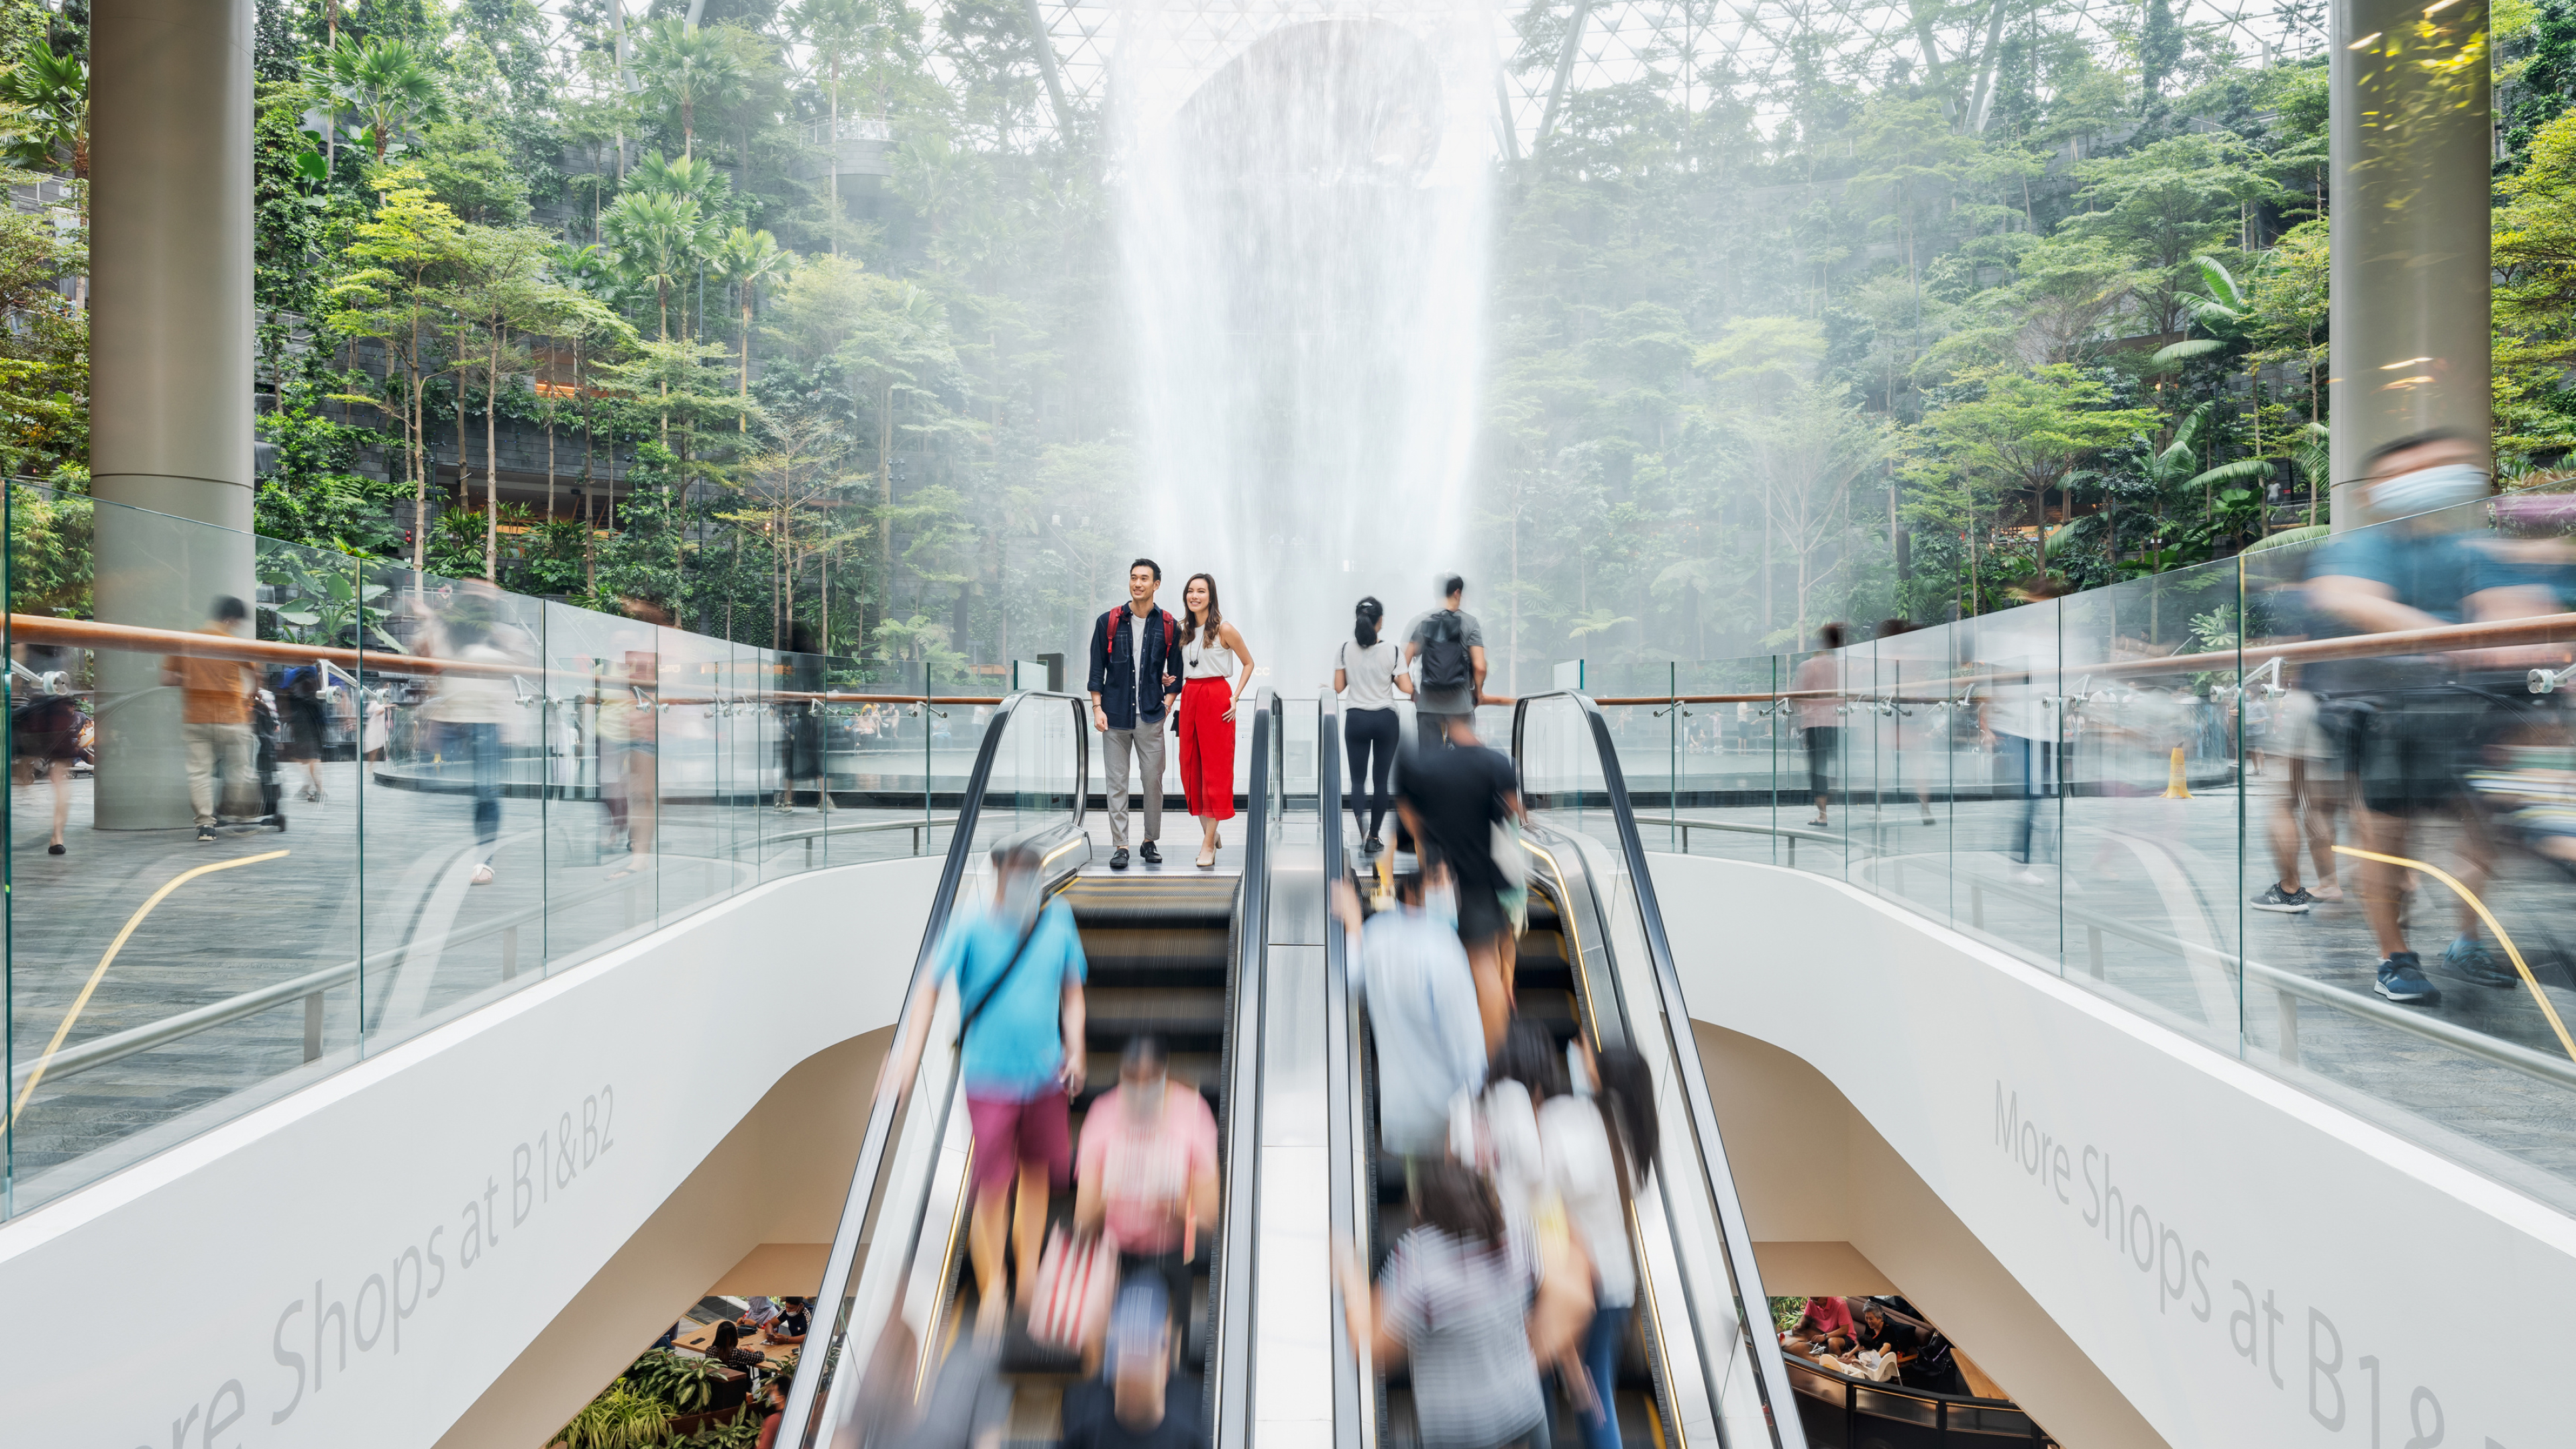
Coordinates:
(967,1019)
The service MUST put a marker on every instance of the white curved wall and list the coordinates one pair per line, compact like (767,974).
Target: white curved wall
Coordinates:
(2271,1271)
(430,1212)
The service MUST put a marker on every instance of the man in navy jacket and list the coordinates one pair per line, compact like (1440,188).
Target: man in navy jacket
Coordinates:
(1135,680)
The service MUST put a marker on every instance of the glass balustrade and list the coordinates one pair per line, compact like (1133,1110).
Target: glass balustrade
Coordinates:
(419,794)
(2111,785)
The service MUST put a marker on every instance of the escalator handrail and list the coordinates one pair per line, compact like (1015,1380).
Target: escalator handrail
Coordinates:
(1232,1290)
(1341,1069)
(799,1428)
(1751,1305)
(1230,1360)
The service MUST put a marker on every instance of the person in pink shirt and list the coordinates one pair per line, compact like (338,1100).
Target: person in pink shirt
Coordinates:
(1826,1328)
(1147,1173)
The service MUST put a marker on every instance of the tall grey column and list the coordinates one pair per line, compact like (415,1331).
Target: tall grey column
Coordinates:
(171,339)
(2407,220)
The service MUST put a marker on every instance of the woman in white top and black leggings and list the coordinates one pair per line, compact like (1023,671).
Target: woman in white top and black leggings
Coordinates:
(1364,675)
(1215,669)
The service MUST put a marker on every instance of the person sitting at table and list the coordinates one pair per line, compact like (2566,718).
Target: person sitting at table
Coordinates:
(795,1317)
(757,1316)
(726,1348)
(1826,1328)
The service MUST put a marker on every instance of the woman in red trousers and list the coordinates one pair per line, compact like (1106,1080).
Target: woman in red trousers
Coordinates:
(1215,668)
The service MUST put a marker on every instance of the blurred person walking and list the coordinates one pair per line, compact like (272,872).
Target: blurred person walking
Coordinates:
(214,716)
(1364,676)
(1452,802)
(2423,720)
(1216,669)
(1412,974)
(1444,665)
(45,728)
(1455,1299)
(1818,685)
(630,720)
(300,704)
(1599,1142)
(1146,1172)
(1016,970)
(472,706)
(2311,796)
(800,738)
(1135,682)
(1144,1401)
(2019,723)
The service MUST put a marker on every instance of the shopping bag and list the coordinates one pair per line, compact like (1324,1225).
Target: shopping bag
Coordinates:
(1076,1279)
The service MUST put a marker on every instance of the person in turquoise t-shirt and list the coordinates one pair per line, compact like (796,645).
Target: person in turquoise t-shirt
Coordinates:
(1016,971)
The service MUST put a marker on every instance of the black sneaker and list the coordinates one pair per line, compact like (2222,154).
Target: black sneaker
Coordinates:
(1150,854)
(2288,903)
(2469,959)
(205,834)
(1372,847)
(2401,979)
(1118,858)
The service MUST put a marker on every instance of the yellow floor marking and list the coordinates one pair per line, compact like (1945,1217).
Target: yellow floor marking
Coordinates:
(2479,906)
(96,976)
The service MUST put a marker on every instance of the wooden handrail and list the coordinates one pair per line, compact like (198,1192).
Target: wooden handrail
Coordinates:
(94,634)
(2540,629)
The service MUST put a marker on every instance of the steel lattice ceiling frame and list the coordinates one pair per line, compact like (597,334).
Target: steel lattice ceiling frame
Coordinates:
(1748,48)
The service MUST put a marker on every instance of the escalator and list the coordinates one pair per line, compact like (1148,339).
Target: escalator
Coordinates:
(1701,1367)
(1167,954)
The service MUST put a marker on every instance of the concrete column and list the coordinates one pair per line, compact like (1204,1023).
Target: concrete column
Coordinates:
(171,340)
(2407,219)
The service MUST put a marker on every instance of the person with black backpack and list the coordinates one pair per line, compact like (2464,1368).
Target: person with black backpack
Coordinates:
(1444,664)
(1135,684)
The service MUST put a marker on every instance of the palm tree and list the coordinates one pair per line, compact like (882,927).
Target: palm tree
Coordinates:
(656,237)
(49,95)
(2171,468)
(687,68)
(746,259)
(387,83)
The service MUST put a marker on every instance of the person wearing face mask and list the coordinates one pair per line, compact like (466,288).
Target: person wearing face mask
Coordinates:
(1148,1171)
(214,716)
(2417,722)
(1016,970)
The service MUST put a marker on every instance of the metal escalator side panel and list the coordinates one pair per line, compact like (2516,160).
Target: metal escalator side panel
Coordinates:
(1354,1402)
(898,1155)
(1710,1247)
(1230,1367)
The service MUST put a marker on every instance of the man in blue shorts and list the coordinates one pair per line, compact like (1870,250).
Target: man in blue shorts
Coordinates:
(1016,971)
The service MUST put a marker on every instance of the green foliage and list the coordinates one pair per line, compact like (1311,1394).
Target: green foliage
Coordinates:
(50,557)
(619,1418)
(317,495)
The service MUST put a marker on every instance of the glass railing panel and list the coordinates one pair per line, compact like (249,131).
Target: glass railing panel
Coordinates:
(1692,1239)
(691,856)
(1710,1362)
(453,819)
(2010,794)
(137,919)
(603,805)
(1914,724)
(1732,748)
(886,1253)
(2458,757)
(2146,880)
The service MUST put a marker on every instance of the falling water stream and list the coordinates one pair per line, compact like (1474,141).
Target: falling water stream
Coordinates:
(1305,233)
